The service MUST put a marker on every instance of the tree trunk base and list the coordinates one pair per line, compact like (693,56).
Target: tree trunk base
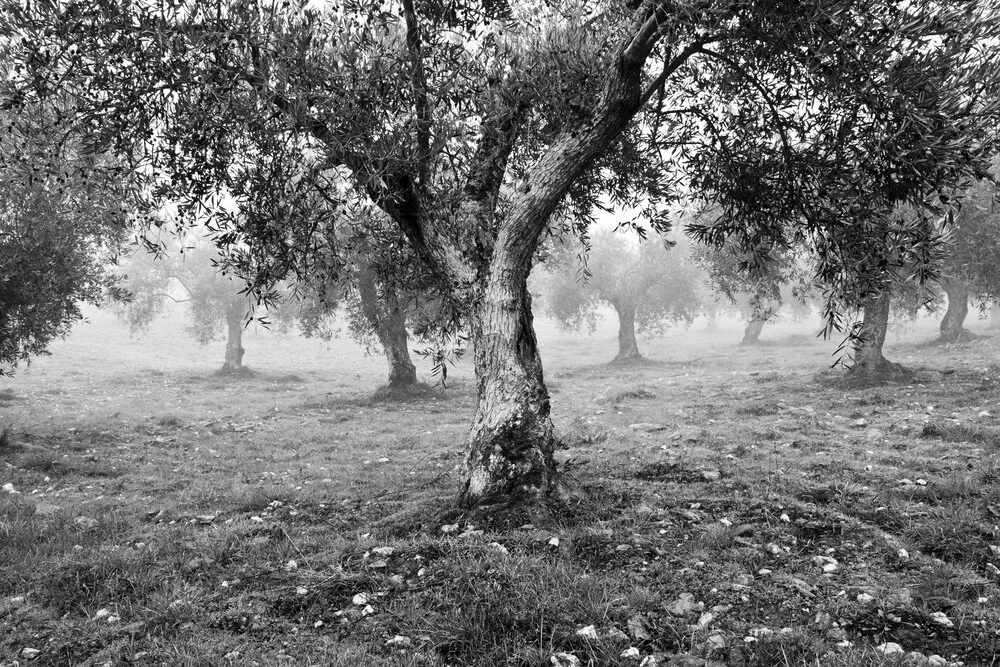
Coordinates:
(234,372)
(629,360)
(959,337)
(877,373)
(404,391)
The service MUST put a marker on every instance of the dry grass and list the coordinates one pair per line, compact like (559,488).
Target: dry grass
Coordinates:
(174,502)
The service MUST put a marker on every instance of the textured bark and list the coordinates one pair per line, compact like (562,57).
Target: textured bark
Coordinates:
(628,350)
(868,358)
(511,443)
(952,328)
(388,319)
(751,333)
(234,338)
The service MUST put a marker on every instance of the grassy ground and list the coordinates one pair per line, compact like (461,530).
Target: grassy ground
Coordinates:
(738,507)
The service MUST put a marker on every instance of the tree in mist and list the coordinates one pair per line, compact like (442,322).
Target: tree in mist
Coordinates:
(470,124)
(649,286)
(971,269)
(385,293)
(759,292)
(188,272)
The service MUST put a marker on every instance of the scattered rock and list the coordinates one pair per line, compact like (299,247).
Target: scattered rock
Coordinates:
(890,648)
(864,598)
(684,604)
(711,475)
(86,522)
(588,632)
(29,652)
(384,551)
(9,488)
(400,641)
(449,528)
(826,563)
(499,548)
(630,653)
(361,599)
(564,660)
(935,660)
(941,618)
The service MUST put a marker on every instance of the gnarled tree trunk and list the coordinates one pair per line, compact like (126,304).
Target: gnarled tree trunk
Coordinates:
(628,350)
(751,333)
(388,319)
(511,443)
(952,328)
(234,338)
(868,358)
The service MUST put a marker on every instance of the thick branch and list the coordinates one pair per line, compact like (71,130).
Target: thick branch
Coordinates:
(419,83)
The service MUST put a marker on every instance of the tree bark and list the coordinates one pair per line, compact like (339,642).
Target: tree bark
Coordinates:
(628,350)
(234,337)
(952,328)
(868,358)
(511,444)
(751,333)
(388,319)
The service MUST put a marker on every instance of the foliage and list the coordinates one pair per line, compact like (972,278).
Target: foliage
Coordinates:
(62,219)
(759,290)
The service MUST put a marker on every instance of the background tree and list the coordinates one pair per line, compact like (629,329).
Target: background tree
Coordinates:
(187,271)
(649,285)
(760,292)
(470,127)
(972,260)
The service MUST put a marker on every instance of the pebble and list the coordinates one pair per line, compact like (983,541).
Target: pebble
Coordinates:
(890,648)
(588,632)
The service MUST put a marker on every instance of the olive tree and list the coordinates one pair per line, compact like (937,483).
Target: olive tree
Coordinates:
(187,271)
(649,285)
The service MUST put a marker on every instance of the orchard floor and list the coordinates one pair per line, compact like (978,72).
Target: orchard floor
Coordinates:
(735,506)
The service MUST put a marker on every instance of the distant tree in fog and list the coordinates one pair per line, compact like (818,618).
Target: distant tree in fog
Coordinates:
(757,293)
(649,285)
(387,296)
(185,272)
(971,268)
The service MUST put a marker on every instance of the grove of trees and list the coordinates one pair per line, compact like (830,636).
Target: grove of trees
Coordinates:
(469,125)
